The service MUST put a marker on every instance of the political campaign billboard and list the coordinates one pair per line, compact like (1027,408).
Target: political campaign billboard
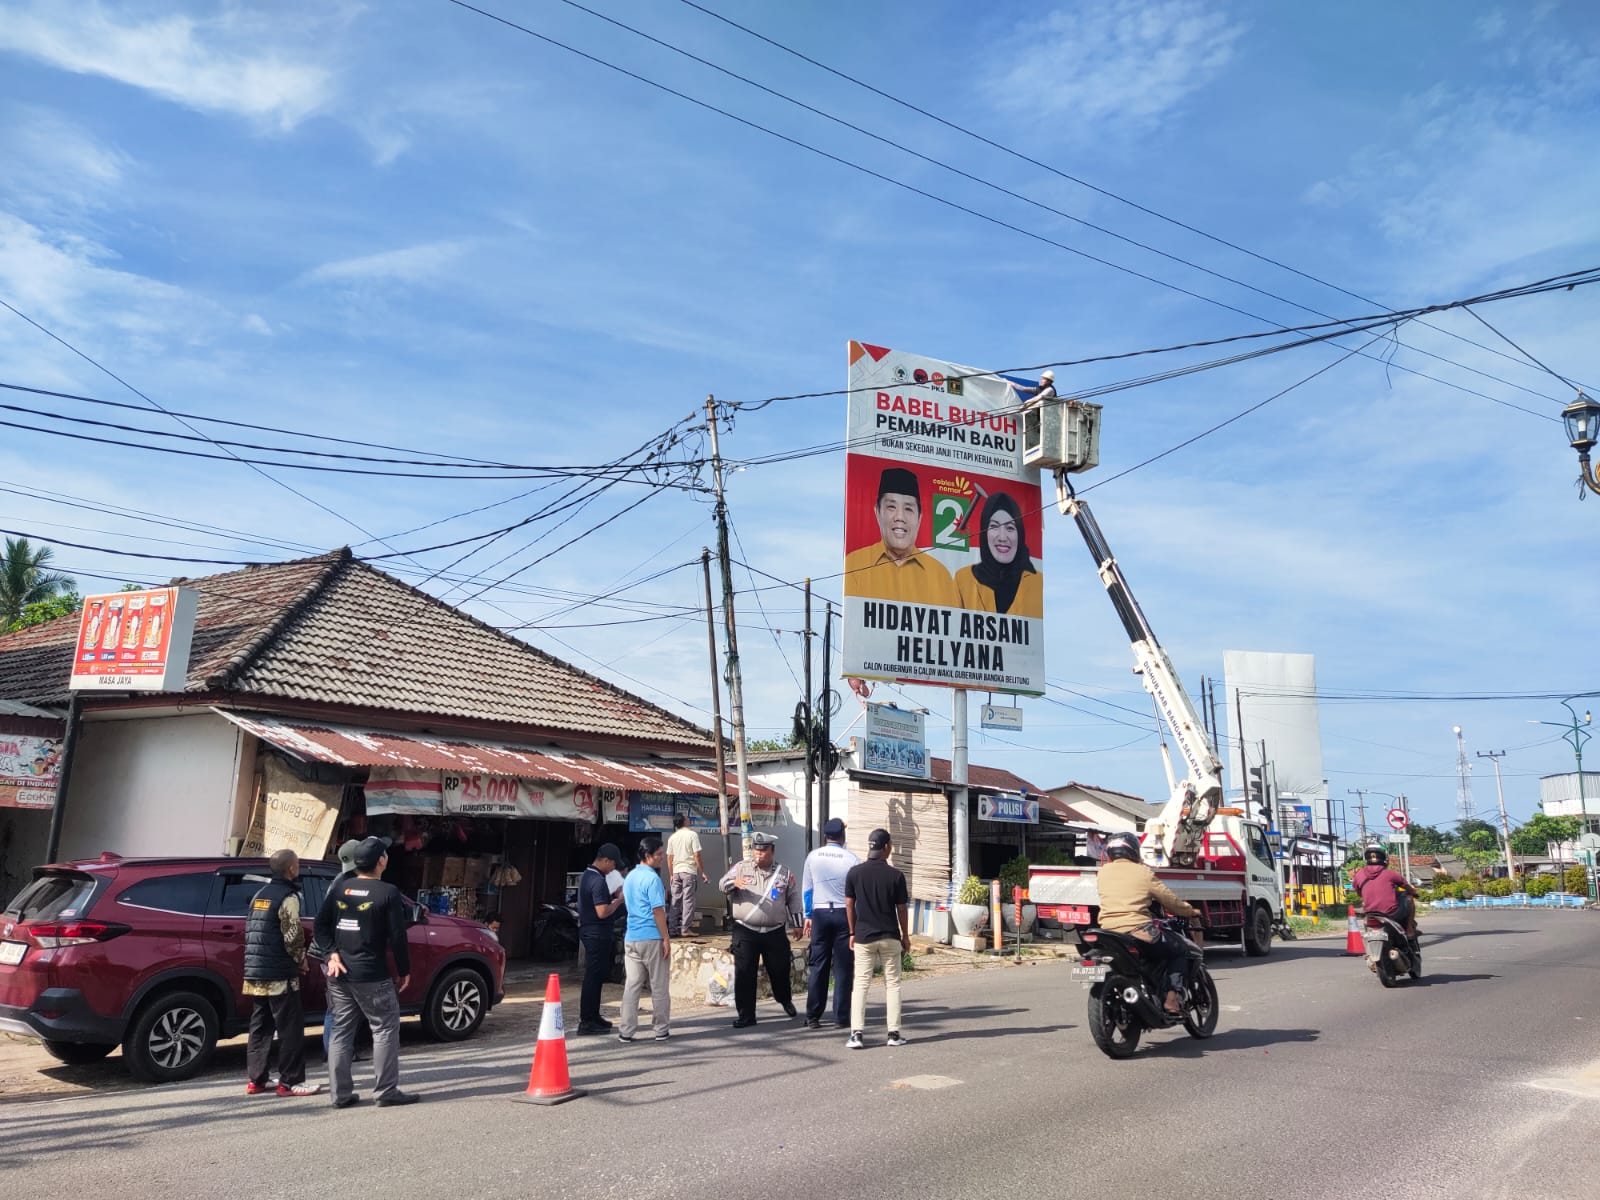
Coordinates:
(943,572)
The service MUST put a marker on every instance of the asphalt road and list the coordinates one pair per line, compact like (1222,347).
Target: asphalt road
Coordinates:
(1482,1081)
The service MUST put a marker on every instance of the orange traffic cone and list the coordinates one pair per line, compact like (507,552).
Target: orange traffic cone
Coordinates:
(548,1082)
(1352,938)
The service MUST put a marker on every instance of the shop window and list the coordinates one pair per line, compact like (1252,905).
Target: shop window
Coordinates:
(171,893)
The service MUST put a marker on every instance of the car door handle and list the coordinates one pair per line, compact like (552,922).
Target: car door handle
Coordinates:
(227,929)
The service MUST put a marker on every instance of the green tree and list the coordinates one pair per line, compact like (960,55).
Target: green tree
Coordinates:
(1465,830)
(1538,831)
(42,611)
(1482,839)
(755,744)
(1426,839)
(26,578)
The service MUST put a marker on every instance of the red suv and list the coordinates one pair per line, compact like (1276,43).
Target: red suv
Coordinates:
(149,953)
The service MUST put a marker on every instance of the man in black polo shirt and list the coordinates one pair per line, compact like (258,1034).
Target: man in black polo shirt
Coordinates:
(364,919)
(598,903)
(875,903)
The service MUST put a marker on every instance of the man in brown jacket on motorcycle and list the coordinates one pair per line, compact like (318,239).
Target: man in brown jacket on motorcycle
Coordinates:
(1127,889)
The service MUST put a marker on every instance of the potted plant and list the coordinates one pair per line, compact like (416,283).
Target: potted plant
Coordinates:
(1014,874)
(970,913)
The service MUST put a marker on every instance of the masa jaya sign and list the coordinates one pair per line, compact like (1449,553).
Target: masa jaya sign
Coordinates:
(135,641)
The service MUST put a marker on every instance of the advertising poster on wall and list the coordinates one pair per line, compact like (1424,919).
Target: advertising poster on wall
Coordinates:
(503,796)
(29,767)
(943,578)
(291,814)
(894,742)
(135,641)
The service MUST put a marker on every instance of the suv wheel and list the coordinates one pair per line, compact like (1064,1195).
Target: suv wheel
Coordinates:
(78,1053)
(456,1006)
(172,1038)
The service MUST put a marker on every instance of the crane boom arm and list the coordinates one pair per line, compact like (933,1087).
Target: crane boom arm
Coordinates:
(1177,836)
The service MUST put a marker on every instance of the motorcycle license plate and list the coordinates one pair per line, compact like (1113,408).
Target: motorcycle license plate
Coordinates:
(11,953)
(1089,974)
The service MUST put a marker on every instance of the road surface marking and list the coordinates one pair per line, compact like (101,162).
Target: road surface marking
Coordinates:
(925,1083)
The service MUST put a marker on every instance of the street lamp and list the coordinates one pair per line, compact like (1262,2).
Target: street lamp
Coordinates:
(1582,417)
(1574,732)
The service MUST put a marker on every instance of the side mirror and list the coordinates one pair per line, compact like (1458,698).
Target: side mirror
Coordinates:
(419,915)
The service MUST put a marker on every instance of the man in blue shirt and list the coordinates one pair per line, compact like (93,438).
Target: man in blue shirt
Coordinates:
(822,891)
(646,946)
(597,920)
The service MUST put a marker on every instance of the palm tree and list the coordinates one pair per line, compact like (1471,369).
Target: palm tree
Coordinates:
(25,579)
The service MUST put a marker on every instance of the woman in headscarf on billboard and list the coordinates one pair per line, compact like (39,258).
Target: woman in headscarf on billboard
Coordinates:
(1004,580)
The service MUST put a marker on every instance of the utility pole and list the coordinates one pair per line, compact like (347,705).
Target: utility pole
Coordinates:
(1244,765)
(1361,807)
(735,675)
(1500,792)
(825,775)
(960,858)
(810,729)
(716,706)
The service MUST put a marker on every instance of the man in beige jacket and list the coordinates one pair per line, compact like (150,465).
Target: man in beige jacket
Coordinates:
(1127,890)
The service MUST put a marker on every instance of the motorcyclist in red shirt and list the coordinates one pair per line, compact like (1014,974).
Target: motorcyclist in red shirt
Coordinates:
(1385,891)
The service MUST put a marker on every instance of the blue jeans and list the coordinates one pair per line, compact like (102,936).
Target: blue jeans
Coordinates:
(830,954)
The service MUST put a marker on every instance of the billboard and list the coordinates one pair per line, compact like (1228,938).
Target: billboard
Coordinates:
(29,769)
(135,641)
(943,578)
(894,742)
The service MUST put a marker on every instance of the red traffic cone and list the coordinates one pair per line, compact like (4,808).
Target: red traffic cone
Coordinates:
(1352,938)
(548,1082)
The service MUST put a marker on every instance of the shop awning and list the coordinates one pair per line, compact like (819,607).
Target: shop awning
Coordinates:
(359,746)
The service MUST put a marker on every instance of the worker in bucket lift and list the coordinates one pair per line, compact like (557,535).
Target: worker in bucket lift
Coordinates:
(1037,396)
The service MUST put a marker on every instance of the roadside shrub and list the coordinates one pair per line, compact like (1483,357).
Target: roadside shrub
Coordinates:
(1498,887)
(1426,895)
(1334,911)
(1577,880)
(1540,885)
(1013,874)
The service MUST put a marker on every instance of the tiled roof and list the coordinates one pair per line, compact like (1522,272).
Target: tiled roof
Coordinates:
(989,779)
(335,630)
(1129,805)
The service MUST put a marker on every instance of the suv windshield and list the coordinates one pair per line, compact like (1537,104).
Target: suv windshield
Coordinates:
(59,893)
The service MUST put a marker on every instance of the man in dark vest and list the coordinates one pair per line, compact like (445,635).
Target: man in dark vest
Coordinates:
(274,957)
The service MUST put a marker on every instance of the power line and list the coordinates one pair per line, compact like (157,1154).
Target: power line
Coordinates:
(1011,193)
(1479,317)
(1060,174)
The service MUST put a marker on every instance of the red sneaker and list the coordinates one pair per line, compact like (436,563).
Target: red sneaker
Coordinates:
(252,1088)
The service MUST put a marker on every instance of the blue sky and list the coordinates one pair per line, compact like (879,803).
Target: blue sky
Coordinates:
(409,224)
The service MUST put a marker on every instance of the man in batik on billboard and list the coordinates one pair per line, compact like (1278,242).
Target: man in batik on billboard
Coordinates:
(894,568)
(1004,580)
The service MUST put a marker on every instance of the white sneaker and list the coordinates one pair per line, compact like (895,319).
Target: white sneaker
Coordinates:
(856,1042)
(895,1039)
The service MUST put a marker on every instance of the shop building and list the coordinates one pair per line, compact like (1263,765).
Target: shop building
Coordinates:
(327,699)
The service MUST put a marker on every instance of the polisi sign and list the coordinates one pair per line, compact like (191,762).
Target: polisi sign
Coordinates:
(1017,809)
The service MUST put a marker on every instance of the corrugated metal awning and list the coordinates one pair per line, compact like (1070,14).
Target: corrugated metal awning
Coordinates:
(359,746)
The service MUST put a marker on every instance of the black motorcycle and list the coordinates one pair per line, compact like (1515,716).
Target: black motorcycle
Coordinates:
(1127,988)
(1391,952)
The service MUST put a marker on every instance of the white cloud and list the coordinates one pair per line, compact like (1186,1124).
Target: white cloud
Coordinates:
(256,323)
(411,264)
(1125,62)
(213,65)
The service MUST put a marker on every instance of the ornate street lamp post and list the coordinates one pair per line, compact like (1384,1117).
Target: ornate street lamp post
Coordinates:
(1582,418)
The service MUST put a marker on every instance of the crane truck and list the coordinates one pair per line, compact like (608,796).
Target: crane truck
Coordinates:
(1214,857)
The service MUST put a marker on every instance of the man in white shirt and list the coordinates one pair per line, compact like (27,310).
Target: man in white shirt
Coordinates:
(822,893)
(688,873)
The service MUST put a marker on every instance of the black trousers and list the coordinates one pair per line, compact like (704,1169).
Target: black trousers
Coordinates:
(283,1013)
(751,948)
(599,945)
(830,954)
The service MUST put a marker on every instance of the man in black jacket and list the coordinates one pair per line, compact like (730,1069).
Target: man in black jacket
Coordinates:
(364,919)
(274,957)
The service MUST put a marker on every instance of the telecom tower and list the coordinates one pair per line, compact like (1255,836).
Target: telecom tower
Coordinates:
(1466,810)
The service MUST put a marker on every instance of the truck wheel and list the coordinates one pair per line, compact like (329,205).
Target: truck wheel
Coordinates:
(172,1038)
(78,1053)
(456,1006)
(1258,933)
(1115,1030)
